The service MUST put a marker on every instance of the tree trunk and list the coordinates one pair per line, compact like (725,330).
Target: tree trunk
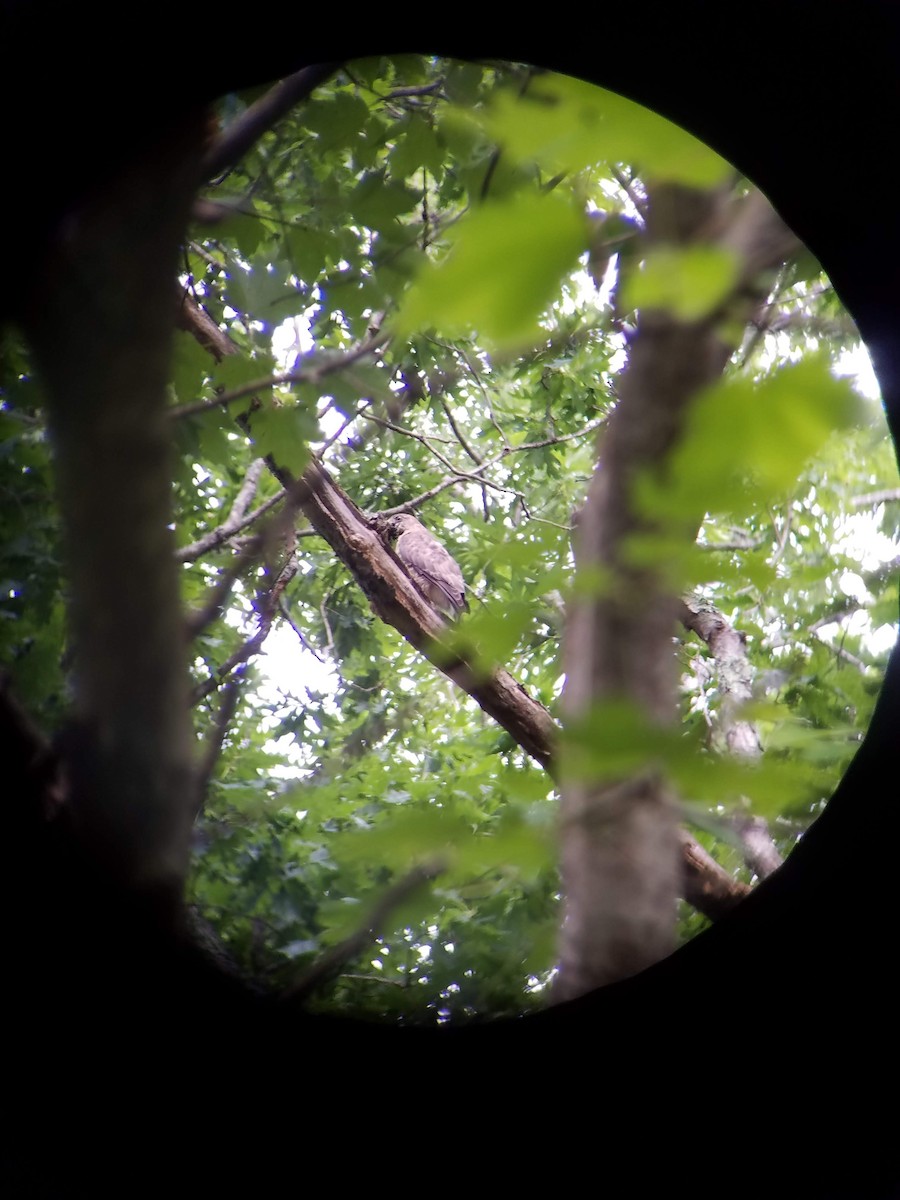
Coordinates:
(101,334)
(620,840)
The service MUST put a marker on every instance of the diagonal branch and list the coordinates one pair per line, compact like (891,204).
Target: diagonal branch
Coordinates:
(222,533)
(231,146)
(313,375)
(397,601)
(215,739)
(331,962)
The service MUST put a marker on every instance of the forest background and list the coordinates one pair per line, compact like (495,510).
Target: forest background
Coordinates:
(422,276)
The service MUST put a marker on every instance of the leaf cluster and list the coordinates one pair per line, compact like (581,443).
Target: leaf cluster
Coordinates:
(442,214)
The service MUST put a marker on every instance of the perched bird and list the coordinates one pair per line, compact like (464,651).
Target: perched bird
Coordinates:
(430,567)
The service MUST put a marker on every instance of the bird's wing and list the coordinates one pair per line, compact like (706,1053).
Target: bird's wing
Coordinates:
(430,563)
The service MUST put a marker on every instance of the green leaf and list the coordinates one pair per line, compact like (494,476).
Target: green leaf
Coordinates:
(463,81)
(466,139)
(215,446)
(407,838)
(504,269)
(308,251)
(614,740)
(260,292)
(746,442)
(489,636)
(513,844)
(336,120)
(566,125)
(416,146)
(190,367)
(245,230)
(285,433)
(378,203)
(689,283)
(237,369)
(339,918)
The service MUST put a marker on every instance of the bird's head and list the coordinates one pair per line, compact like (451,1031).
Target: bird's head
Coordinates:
(401,523)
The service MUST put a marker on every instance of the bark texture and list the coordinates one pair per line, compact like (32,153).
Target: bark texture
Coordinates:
(740,737)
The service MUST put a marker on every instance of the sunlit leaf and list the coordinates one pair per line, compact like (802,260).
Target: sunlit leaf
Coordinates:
(688,283)
(235,370)
(285,434)
(746,442)
(191,365)
(416,146)
(567,125)
(378,202)
(505,267)
(259,292)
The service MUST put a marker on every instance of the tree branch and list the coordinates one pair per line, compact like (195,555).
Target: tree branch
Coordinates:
(266,603)
(735,681)
(237,518)
(460,436)
(313,375)
(398,602)
(243,133)
(329,964)
(885,496)
(708,886)
(212,746)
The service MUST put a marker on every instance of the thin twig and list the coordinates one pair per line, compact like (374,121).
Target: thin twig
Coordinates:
(201,618)
(347,421)
(476,374)
(329,964)
(460,436)
(425,89)
(398,983)
(456,472)
(273,532)
(845,655)
(223,533)
(214,741)
(238,511)
(742,543)
(781,536)
(267,606)
(304,641)
(627,186)
(329,635)
(886,496)
(209,259)
(313,375)
(474,476)
(424,439)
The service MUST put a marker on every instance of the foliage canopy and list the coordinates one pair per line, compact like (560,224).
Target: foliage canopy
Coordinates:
(442,263)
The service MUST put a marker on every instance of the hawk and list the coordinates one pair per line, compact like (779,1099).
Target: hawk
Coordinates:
(430,567)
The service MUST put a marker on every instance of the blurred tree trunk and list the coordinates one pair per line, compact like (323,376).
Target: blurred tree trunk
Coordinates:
(100,318)
(620,840)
